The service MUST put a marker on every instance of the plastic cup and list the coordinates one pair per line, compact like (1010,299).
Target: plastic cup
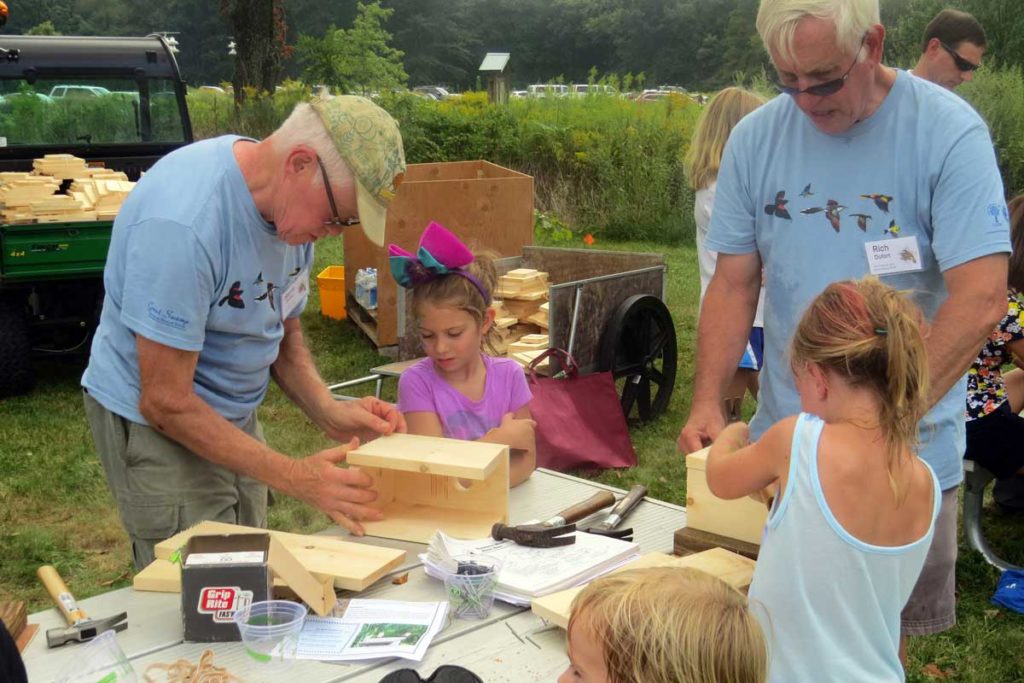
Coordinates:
(471,587)
(101,660)
(270,630)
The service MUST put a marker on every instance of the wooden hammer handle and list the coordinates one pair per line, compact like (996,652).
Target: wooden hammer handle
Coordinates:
(62,597)
(598,501)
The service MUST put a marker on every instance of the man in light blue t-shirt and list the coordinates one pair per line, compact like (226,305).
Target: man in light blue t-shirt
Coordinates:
(207,274)
(858,169)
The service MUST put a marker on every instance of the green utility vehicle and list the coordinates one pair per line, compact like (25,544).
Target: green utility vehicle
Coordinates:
(115,101)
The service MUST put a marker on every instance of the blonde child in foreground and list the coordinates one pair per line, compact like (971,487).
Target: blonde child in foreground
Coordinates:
(663,625)
(854,507)
(458,391)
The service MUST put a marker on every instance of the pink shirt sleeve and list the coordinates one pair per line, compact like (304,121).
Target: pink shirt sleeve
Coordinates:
(520,394)
(415,393)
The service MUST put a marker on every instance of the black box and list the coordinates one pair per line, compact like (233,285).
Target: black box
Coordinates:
(219,576)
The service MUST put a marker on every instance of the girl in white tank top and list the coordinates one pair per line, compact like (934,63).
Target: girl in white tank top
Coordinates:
(854,507)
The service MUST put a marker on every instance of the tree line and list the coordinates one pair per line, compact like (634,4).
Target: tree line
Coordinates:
(699,44)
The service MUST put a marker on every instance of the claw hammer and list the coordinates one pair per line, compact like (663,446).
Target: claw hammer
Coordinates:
(556,531)
(80,626)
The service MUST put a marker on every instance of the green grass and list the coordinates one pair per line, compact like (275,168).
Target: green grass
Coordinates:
(55,507)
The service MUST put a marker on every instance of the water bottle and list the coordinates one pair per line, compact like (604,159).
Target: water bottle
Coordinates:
(361,287)
(371,288)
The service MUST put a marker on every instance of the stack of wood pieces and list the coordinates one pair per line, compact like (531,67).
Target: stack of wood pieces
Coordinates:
(503,323)
(524,284)
(527,348)
(62,166)
(93,194)
(540,318)
(19,191)
(102,192)
(524,291)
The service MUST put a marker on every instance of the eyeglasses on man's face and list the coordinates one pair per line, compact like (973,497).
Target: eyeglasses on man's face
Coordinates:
(828,87)
(336,219)
(961,63)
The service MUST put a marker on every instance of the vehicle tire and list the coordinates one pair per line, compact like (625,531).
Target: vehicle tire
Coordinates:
(639,348)
(16,376)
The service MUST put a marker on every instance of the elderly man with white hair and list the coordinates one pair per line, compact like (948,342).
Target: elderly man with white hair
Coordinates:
(857,169)
(207,274)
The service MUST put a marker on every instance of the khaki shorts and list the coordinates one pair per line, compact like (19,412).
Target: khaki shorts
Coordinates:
(162,488)
(932,604)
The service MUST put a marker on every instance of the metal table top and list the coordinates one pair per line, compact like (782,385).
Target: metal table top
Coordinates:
(511,644)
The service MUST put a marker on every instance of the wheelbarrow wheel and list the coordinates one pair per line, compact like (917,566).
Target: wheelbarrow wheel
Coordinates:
(639,348)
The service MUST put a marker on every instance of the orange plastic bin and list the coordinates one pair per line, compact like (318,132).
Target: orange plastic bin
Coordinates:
(331,282)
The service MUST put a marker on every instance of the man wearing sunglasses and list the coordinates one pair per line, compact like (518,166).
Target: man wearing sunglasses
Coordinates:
(206,277)
(856,169)
(951,50)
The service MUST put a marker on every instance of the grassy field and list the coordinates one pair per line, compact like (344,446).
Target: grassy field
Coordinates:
(55,507)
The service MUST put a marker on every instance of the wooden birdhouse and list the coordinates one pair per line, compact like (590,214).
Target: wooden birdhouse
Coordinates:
(427,483)
(742,519)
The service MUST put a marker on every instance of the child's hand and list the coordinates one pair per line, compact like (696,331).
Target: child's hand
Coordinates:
(517,432)
(735,436)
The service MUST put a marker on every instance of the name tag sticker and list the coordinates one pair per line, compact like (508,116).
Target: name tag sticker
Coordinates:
(293,295)
(900,255)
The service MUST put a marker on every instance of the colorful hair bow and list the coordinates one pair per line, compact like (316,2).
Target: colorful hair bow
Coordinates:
(439,253)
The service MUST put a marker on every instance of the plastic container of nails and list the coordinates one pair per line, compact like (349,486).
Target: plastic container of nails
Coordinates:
(470,587)
(270,630)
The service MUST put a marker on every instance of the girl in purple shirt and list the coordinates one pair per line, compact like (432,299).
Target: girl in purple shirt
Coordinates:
(458,391)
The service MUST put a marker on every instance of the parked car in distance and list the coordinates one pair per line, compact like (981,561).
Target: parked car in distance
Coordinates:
(78,91)
(432,92)
(15,96)
(651,95)
(212,88)
(519,94)
(547,90)
(583,89)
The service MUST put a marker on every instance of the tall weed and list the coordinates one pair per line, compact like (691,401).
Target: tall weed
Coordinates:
(998,95)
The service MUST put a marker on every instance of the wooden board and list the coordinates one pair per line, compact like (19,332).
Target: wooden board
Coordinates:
(742,519)
(427,483)
(26,636)
(521,309)
(529,342)
(687,541)
(160,576)
(734,569)
(353,566)
(164,576)
(430,455)
(315,591)
(14,617)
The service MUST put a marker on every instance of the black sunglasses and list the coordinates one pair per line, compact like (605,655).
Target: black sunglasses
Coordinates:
(443,674)
(337,219)
(828,87)
(960,62)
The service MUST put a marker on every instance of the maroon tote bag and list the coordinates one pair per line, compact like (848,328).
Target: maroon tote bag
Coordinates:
(579,418)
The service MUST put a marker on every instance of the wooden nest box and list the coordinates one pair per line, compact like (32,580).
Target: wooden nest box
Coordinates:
(742,519)
(427,483)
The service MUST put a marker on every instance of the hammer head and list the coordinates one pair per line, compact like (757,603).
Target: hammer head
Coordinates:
(85,630)
(535,535)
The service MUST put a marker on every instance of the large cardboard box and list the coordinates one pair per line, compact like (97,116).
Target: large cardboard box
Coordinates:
(486,205)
